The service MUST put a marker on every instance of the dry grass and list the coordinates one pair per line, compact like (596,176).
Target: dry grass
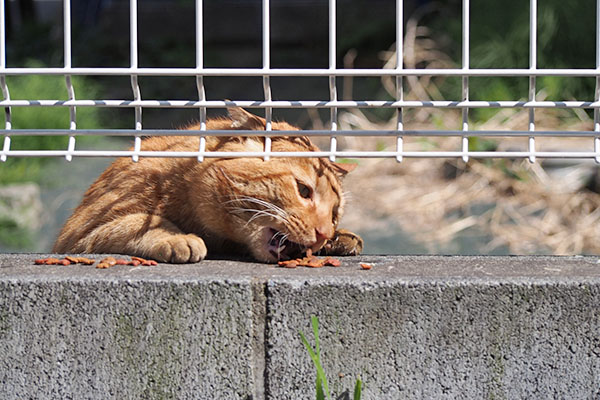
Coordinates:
(526,207)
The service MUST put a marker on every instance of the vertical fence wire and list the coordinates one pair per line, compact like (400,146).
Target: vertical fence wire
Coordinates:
(5,91)
(597,91)
(200,78)
(332,78)
(465,79)
(135,87)
(68,81)
(532,68)
(399,78)
(266,46)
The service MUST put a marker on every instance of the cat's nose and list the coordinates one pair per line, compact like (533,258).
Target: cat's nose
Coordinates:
(320,239)
(322,235)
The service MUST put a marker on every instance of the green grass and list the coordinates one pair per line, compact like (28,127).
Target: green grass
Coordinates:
(322,387)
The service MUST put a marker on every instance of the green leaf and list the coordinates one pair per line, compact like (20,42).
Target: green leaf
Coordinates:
(357,389)
(320,394)
(315,355)
(309,348)
(315,325)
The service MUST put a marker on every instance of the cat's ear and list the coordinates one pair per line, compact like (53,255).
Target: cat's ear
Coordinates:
(242,119)
(341,169)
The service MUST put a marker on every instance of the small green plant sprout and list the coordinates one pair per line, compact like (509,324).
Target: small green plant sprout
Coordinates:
(357,389)
(322,388)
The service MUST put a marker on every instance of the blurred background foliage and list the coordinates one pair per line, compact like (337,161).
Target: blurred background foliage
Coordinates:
(499,36)
(48,88)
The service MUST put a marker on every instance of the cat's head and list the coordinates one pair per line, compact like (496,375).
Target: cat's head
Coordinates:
(281,207)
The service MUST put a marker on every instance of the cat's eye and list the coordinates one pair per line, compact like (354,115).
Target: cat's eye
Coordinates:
(304,190)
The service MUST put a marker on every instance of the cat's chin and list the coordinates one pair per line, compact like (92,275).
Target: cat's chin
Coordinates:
(275,247)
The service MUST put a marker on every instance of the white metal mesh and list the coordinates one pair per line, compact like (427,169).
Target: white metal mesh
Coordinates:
(333,103)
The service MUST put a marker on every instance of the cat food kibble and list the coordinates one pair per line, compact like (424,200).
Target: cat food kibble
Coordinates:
(52,261)
(366,266)
(144,261)
(80,260)
(288,263)
(310,261)
(135,261)
(104,263)
(107,262)
(334,262)
(68,260)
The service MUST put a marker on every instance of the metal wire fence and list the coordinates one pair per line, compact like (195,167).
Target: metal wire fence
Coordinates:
(399,74)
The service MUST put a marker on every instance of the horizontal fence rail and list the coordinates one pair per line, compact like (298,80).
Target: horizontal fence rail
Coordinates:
(307,72)
(321,132)
(398,74)
(300,104)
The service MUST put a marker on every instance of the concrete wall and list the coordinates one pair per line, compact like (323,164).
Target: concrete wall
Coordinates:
(411,327)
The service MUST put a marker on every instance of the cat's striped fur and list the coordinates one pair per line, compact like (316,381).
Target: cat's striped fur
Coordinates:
(178,209)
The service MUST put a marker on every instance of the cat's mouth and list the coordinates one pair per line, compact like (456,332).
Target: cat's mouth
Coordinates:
(281,248)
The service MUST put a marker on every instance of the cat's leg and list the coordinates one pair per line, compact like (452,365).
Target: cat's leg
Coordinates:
(344,243)
(148,236)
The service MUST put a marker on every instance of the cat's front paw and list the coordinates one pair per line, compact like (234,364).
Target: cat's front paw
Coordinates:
(179,249)
(344,243)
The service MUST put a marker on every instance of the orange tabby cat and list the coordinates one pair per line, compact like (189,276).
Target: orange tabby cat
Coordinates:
(177,209)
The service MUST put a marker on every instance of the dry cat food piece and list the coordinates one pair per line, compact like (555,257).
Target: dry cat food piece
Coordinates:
(80,260)
(366,266)
(68,260)
(143,261)
(288,263)
(50,261)
(334,262)
(310,261)
(135,261)
(104,263)
(107,262)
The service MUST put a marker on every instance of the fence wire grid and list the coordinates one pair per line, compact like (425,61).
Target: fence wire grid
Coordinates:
(267,103)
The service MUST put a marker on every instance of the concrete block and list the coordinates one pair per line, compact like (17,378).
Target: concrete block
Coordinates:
(77,332)
(442,328)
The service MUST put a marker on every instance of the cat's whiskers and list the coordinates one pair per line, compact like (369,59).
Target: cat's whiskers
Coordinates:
(266,204)
(255,214)
(262,213)
(282,240)
(281,245)
(269,210)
